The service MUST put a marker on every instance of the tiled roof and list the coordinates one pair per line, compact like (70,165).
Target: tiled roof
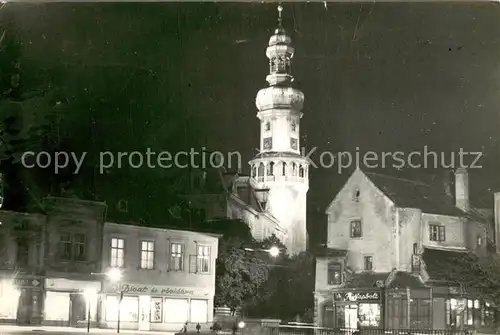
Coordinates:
(365,279)
(411,194)
(405,279)
(451,266)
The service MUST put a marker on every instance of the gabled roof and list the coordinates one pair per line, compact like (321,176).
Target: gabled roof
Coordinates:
(407,193)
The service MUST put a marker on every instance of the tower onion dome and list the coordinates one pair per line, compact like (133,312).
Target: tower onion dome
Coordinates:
(280,94)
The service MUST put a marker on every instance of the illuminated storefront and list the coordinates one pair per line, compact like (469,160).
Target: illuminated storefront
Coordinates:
(155,307)
(21,300)
(67,301)
(357,309)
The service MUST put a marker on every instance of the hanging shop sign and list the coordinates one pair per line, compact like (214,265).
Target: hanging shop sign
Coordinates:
(357,296)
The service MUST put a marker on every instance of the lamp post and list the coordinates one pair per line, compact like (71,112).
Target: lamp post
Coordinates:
(115,275)
(89,294)
(273,251)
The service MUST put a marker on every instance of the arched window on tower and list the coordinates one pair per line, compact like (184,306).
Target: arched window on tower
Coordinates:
(283,169)
(254,171)
(301,171)
(273,64)
(270,169)
(261,170)
(294,169)
(268,126)
(281,65)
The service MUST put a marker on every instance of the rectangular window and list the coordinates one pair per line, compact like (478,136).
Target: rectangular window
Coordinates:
(73,247)
(147,255)
(203,259)
(79,250)
(156,310)
(437,233)
(368,263)
(334,274)
(176,311)
(369,315)
(65,246)
(199,311)
(176,257)
(117,253)
(356,229)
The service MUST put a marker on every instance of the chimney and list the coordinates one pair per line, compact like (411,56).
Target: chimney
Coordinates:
(462,189)
(497,220)
(447,183)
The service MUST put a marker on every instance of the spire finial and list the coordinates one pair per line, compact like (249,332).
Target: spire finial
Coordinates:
(280,19)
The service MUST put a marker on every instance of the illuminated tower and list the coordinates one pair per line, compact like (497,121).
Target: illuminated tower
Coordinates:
(279,166)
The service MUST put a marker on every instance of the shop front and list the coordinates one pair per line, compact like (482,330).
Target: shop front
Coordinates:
(21,300)
(68,302)
(154,307)
(356,309)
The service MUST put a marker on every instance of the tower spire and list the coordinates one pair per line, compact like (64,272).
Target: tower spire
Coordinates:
(280,19)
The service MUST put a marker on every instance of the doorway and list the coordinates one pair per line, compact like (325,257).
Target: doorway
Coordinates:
(144,307)
(78,309)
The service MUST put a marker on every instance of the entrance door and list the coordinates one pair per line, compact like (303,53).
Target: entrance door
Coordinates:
(351,316)
(144,307)
(78,309)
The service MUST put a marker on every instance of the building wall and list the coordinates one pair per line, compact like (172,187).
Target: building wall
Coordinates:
(377,214)
(454,227)
(410,232)
(161,283)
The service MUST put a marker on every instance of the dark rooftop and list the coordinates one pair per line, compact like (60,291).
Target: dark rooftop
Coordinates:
(407,193)
(365,279)
(453,266)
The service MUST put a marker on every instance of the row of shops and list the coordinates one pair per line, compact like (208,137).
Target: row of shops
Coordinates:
(421,308)
(64,302)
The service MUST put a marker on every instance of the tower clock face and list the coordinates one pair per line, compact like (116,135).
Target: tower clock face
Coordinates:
(268,143)
(293,143)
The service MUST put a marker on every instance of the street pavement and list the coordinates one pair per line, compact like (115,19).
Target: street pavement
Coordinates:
(19,330)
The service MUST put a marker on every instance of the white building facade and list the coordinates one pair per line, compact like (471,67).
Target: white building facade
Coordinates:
(168,278)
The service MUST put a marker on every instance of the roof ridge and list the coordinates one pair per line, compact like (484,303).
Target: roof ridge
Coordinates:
(398,178)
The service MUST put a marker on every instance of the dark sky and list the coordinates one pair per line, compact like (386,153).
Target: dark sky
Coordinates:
(378,76)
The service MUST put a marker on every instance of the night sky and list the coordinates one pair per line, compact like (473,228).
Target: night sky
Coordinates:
(378,76)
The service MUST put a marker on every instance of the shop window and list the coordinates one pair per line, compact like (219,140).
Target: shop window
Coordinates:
(472,313)
(199,311)
(356,231)
(334,273)
(156,310)
(369,315)
(437,233)
(454,309)
(176,257)
(397,313)
(346,316)
(420,313)
(129,309)
(176,310)
(488,316)
(61,302)
(117,253)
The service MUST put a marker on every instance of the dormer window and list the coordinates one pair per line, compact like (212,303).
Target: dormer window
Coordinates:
(268,126)
(356,195)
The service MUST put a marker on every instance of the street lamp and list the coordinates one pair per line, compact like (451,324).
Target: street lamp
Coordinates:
(274,251)
(90,294)
(115,275)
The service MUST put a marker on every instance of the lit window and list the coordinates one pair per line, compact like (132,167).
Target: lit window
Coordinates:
(117,252)
(176,311)
(147,255)
(176,257)
(368,263)
(334,274)
(437,233)
(203,259)
(356,229)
